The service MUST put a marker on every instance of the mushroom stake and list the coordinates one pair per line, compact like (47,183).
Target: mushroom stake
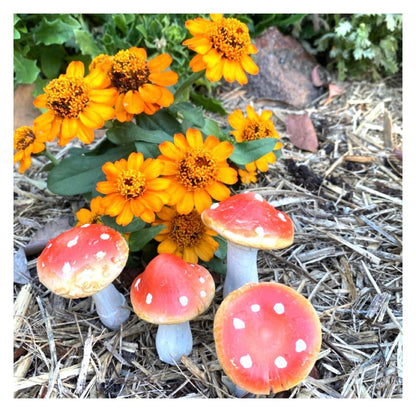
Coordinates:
(171,292)
(267,337)
(83,261)
(248,223)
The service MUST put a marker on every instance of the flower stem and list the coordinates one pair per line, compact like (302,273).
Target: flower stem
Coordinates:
(50,156)
(183,88)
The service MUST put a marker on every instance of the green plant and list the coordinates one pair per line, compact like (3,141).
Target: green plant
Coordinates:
(362,45)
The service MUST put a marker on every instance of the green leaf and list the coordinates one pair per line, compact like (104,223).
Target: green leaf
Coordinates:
(135,225)
(80,173)
(247,152)
(190,113)
(161,120)
(208,103)
(57,31)
(122,133)
(25,70)
(51,60)
(86,43)
(139,239)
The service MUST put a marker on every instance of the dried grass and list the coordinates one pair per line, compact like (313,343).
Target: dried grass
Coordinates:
(346,258)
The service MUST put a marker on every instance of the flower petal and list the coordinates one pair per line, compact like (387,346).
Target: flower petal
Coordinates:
(167,78)
(90,118)
(218,191)
(202,200)
(133,102)
(185,204)
(167,246)
(194,137)
(169,150)
(159,63)
(227,175)
(75,69)
(222,151)
(150,93)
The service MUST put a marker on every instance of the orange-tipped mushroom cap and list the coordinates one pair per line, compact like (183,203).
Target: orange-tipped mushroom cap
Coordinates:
(171,291)
(267,337)
(249,220)
(82,261)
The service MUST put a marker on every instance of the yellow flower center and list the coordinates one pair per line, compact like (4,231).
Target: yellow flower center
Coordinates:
(197,169)
(131,183)
(67,96)
(23,137)
(256,130)
(128,71)
(186,230)
(230,37)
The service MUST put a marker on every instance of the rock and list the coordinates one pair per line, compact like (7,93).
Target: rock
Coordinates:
(285,71)
(24,110)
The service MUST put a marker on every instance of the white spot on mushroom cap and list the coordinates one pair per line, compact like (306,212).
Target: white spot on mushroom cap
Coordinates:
(238,323)
(203,294)
(300,345)
(214,205)
(202,280)
(281,216)
(259,230)
(149,298)
(136,285)
(255,307)
(66,268)
(105,236)
(100,254)
(85,225)
(279,308)
(258,197)
(72,242)
(183,300)
(246,361)
(280,362)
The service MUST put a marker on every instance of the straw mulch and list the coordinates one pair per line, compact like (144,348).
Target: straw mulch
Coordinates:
(346,205)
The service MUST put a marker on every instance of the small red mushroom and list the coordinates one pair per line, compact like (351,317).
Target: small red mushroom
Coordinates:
(171,292)
(84,261)
(248,223)
(267,337)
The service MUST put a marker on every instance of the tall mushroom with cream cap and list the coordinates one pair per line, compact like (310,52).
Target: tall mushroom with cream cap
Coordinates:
(248,223)
(84,261)
(171,292)
(267,337)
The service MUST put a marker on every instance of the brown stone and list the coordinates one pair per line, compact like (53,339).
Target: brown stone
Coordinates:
(285,71)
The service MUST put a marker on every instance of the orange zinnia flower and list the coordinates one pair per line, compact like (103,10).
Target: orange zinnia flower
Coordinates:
(223,46)
(77,105)
(185,235)
(27,141)
(254,127)
(92,215)
(141,84)
(247,176)
(197,170)
(133,188)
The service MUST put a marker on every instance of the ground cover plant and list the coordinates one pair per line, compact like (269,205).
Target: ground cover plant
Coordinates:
(130,136)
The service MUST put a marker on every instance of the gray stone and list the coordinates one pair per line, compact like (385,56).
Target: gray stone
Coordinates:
(285,71)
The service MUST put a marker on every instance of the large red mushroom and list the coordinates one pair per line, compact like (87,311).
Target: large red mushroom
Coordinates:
(248,223)
(171,292)
(84,261)
(267,337)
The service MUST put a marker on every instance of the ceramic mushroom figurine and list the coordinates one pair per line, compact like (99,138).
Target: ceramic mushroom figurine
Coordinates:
(171,292)
(84,261)
(267,337)
(248,223)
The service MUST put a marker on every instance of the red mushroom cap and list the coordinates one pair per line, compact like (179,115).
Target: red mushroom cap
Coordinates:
(171,290)
(82,260)
(249,220)
(267,337)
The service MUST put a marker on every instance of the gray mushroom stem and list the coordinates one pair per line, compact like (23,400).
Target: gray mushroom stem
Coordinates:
(110,304)
(173,341)
(241,267)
